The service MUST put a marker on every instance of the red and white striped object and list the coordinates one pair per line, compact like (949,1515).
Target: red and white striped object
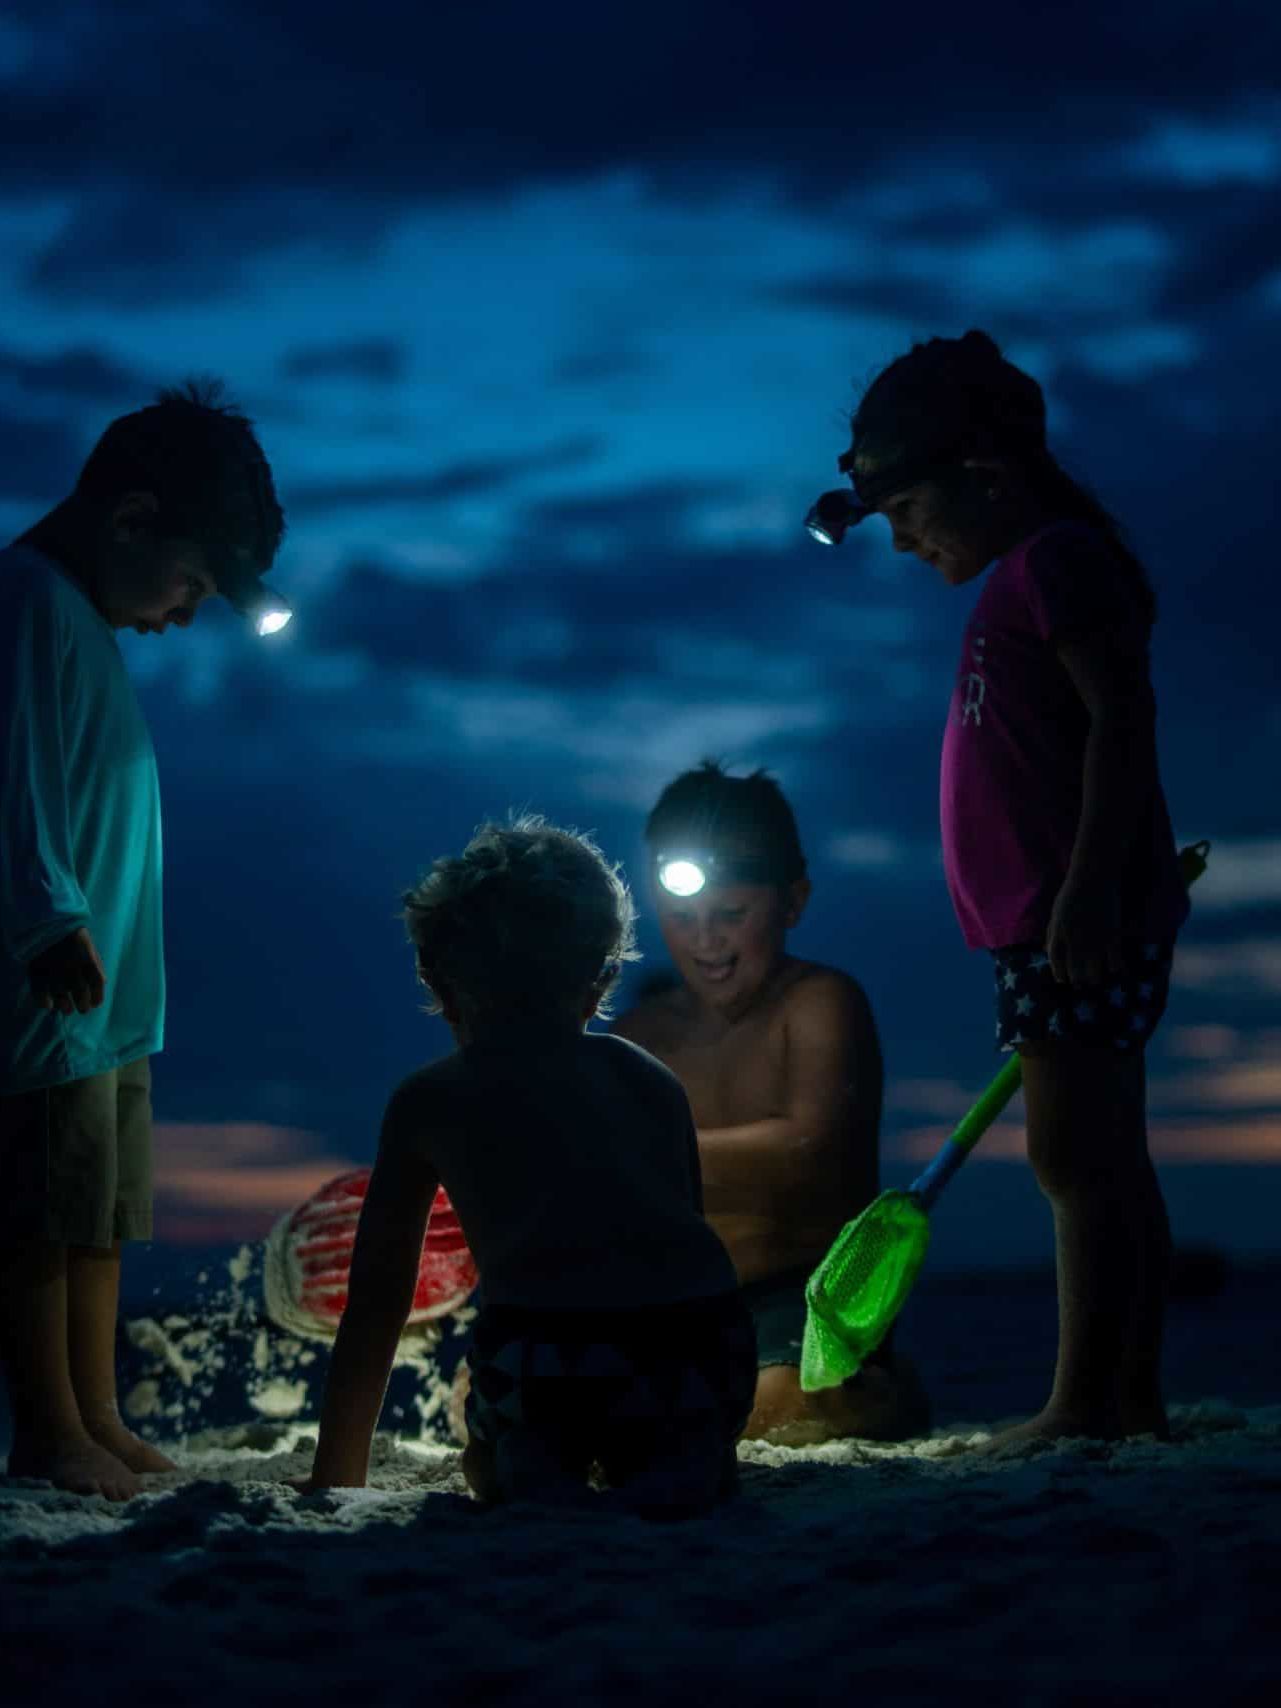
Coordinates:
(308,1260)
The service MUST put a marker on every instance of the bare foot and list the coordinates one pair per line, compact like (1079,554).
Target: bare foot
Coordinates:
(131,1450)
(1040,1433)
(77,1464)
(878,1404)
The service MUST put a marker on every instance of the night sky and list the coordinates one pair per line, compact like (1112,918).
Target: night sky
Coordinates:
(551,318)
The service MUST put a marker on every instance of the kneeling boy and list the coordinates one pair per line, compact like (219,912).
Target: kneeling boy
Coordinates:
(610,1330)
(781,1063)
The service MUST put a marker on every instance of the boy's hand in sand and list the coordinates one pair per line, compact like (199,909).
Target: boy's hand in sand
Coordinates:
(69,977)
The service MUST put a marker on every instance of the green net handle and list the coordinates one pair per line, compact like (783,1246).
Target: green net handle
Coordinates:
(972,1126)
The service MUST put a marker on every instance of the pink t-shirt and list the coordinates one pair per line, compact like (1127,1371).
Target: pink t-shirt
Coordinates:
(1014,748)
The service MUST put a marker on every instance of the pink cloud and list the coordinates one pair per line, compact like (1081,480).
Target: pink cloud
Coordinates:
(230,1180)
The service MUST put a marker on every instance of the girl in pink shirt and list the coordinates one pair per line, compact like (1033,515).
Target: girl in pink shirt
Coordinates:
(1056,839)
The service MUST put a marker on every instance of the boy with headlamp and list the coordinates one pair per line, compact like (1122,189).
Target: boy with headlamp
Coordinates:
(780,1060)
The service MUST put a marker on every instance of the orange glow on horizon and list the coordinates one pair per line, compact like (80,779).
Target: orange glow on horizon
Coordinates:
(1186,1139)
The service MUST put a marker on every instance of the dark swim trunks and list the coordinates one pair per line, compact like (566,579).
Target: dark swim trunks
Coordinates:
(618,1387)
(777,1305)
(1122,1014)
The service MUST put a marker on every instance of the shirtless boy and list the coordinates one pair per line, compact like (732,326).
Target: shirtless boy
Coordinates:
(780,1060)
(610,1329)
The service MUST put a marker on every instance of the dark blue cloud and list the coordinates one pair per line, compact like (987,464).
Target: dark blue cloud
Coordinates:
(78,372)
(187,147)
(461,98)
(600,366)
(477,477)
(39,458)
(379,361)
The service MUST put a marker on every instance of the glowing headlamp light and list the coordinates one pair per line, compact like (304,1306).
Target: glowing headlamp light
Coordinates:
(270,613)
(250,596)
(238,582)
(681,877)
(832,515)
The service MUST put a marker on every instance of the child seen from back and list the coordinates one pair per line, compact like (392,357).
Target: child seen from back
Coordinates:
(610,1331)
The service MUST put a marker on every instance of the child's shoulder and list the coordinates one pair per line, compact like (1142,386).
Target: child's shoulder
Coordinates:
(628,1054)
(634,1061)
(817,995)
(427,1091)
(31,581)
(658,1014)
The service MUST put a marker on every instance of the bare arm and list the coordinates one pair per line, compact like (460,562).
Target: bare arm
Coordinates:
(1117,780)
(831,1101)
(384,1272)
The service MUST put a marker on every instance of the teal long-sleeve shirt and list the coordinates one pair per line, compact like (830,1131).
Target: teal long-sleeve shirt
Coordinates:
(79,829)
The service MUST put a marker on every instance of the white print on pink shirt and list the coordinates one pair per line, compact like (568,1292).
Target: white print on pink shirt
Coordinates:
(974,683)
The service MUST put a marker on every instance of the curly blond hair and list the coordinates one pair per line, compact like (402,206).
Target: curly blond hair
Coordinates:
(528,917)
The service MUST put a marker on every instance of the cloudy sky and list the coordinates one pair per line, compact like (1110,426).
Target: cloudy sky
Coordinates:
(550,318)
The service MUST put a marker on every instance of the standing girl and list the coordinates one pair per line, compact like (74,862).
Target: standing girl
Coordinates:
(1056,838)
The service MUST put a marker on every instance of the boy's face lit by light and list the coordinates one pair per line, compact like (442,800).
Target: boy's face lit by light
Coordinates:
(153,585)
(727,940)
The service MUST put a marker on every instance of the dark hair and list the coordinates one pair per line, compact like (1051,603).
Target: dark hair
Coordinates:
(527,916)
(709,806)
(952,398)
(198,455)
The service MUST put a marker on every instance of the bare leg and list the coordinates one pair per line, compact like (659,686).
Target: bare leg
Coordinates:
(1087,1141)
(1142,1406)
(879,1404)
(50,1440)
(93,1300)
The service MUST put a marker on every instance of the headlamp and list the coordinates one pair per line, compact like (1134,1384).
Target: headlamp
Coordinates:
(240,585)
(682,877)
(686,872)
(270,613)
(832,515)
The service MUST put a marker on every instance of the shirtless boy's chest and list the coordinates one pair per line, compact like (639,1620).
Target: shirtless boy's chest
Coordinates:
(732,1079)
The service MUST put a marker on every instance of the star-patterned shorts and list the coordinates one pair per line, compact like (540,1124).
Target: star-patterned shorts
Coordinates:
(1122,1014)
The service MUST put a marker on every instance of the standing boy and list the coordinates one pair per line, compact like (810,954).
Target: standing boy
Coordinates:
(174,504)
(780,1060)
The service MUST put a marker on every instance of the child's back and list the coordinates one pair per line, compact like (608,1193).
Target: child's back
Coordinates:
(610,1328)
(572,1162)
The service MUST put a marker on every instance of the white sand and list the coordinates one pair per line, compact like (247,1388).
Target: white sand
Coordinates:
(1133,1573)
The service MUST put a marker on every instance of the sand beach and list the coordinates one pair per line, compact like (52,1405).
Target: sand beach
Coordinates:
(1134,1573)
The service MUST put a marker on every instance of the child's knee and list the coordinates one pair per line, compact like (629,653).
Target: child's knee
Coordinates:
(1086,1131)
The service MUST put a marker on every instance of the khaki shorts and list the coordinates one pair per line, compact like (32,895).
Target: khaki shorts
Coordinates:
(75,1160)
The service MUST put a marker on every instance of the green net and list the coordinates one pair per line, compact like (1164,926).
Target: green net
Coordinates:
(857,1291)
